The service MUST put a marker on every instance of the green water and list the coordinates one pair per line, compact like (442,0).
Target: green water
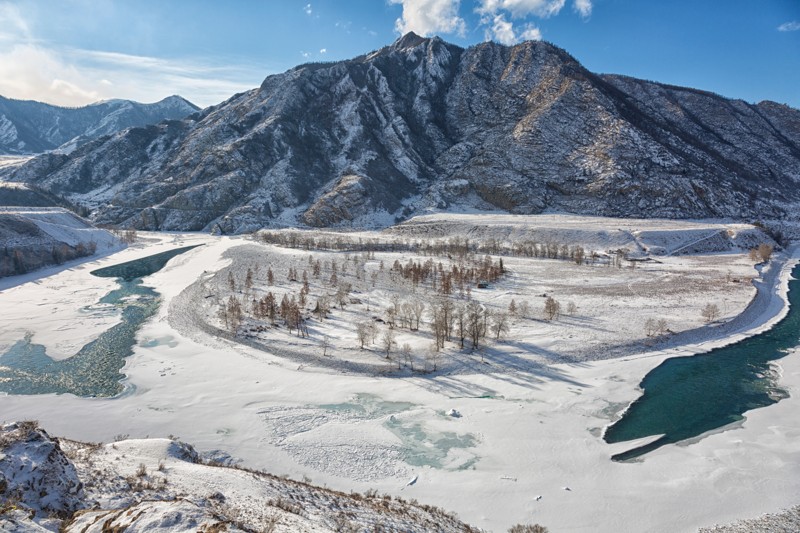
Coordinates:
(687,396)
(95,370)
(419,445)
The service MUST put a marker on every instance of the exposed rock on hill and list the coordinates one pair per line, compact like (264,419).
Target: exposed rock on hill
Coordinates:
(425,125)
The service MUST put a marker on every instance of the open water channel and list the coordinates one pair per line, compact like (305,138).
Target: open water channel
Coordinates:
(685,397)
(25,368)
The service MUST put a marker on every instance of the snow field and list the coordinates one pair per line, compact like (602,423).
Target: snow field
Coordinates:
(534,426)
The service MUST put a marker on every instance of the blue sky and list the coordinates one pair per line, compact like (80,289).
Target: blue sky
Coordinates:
(73,52)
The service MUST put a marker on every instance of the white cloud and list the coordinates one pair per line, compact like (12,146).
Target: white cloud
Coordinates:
(789,26)
(521,8)
(323,51)
(583,7)
(530,33)
(308,9)
(13,25)
(31,69)
(503,32)
(428,17)
(304,54)
(79,77)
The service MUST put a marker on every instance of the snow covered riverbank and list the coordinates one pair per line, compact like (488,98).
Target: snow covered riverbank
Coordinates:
(525,449)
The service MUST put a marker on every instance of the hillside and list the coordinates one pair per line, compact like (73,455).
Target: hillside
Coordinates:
(31,238)
(423,125)
(28,127)
(165,485)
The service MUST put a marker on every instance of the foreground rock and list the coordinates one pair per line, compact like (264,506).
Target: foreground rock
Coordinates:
(164,485)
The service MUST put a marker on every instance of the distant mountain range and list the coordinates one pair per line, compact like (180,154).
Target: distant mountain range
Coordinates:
(423,125)
(28,127)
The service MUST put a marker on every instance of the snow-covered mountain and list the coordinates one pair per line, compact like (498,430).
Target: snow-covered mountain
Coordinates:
(28,127)
(423,125)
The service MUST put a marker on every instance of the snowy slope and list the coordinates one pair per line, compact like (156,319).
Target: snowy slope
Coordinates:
(165,485)
(34,237)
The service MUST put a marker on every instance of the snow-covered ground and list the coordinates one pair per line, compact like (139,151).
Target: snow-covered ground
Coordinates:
(526,447)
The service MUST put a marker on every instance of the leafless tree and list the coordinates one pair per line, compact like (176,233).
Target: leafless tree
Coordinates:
(551,308)
(475,322)
(710,312)
(418,309)
(387,341)
(343,294)
(524,309)
(405,351)
(499,324)
(571,308)
(362,332)
(326,344)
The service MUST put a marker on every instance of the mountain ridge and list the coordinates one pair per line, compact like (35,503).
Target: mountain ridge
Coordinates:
(423,125)
(28,126)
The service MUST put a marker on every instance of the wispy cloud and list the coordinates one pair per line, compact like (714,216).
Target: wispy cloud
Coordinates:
(37,70)
(503,32)
(427,17)
(583,7)
(308,9)
(789,26)
(521,8)
(495,15)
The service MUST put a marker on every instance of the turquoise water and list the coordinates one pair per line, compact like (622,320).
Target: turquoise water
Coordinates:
(419,445)
(95,370)
(687,396)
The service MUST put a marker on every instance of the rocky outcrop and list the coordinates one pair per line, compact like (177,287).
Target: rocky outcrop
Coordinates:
(425,125)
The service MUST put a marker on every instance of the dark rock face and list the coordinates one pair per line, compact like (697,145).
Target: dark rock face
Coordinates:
(423,124)
(28,127)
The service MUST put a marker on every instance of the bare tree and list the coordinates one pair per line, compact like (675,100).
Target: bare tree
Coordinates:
(417,308)
(362,332)
(373,331)
(551,308)
(405,351)
(524,309)
(326,344)
(571,308)
(499,324)
(475,322)
(512,308)
(343,294)
(661,326)
(234,314)
(650,327)
(248,280)
(323,306)
(387,341)
(710,312)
